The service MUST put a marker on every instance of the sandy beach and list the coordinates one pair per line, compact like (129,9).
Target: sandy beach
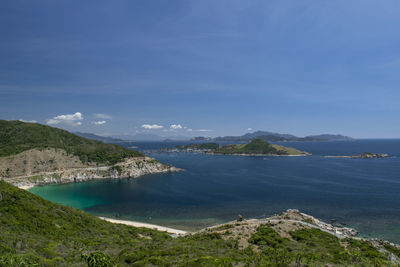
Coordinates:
(146,225)
(25,187)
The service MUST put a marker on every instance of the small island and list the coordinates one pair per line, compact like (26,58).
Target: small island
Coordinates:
(365,155)
(256,147)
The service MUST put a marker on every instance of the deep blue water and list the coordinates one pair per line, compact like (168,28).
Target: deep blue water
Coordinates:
(363,193)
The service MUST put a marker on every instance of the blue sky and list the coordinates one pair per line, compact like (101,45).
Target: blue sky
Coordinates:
(211,67)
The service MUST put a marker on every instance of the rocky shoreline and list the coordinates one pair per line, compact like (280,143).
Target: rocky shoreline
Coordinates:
(295,217)
(292,220)
(130,168)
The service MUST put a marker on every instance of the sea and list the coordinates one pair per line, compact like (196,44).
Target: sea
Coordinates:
(360,193)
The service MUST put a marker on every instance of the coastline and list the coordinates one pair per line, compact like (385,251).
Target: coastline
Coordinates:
(26,187)
(146,225)
(132,168)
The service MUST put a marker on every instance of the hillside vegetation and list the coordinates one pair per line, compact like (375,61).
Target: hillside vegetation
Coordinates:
(17,136)
(36,232)
(255,147)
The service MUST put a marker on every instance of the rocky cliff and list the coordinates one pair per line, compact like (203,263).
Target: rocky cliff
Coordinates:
(49,166)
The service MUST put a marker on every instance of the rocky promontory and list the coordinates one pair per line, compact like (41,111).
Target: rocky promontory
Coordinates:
(51,166)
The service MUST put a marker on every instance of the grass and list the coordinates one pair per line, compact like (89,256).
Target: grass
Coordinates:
(17,136)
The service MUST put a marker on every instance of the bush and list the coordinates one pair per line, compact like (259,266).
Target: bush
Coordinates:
(97,259)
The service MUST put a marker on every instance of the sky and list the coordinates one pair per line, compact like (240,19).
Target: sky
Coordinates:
(203,68)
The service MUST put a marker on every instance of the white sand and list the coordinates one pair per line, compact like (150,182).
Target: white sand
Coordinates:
(25,187)
(146,225)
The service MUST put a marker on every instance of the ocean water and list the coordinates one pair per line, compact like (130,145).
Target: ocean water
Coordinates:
(361,193)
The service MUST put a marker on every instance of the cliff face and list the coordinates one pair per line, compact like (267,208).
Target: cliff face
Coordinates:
(49,166)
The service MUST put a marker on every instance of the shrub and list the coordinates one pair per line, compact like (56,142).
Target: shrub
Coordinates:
(97,259)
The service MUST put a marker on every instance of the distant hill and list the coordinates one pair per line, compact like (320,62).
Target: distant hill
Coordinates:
(254,147)
(17,137)
(104,139)
(150,137)
(139,137)
(277,137)
(331,137)
(201,138)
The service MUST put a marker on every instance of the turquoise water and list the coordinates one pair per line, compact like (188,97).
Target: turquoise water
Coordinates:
(213,189)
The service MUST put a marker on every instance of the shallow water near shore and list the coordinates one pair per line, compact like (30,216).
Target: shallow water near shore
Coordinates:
(362,193)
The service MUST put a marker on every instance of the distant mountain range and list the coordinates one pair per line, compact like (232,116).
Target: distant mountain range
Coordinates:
(277,137)
(104,139)
(264,135)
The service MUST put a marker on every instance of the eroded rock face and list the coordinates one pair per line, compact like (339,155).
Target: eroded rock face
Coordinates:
(52,166)
(36,161)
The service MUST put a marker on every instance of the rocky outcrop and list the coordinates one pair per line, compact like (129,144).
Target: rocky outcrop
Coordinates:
(296,215)
(365,155)
(52,166)
(292,220)
(368,155)
(289,220)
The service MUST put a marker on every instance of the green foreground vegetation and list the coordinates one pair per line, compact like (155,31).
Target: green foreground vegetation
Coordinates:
(36,232)
(255,147)
(17,136)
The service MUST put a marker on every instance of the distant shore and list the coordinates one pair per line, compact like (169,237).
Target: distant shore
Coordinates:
(146,225)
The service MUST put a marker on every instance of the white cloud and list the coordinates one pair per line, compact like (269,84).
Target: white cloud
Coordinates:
(153,126)
(99,122)
(102,116)
(32,121)
(175,126)
(249,129)
(70,119)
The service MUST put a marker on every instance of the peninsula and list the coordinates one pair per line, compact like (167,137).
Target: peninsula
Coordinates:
(256,147)
(34,154)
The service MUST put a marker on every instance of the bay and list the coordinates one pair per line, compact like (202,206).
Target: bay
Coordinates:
(361,193)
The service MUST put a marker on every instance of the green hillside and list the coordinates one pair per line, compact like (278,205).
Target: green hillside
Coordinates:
(255,147)
(36,232)
(258,146)
(17,136)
